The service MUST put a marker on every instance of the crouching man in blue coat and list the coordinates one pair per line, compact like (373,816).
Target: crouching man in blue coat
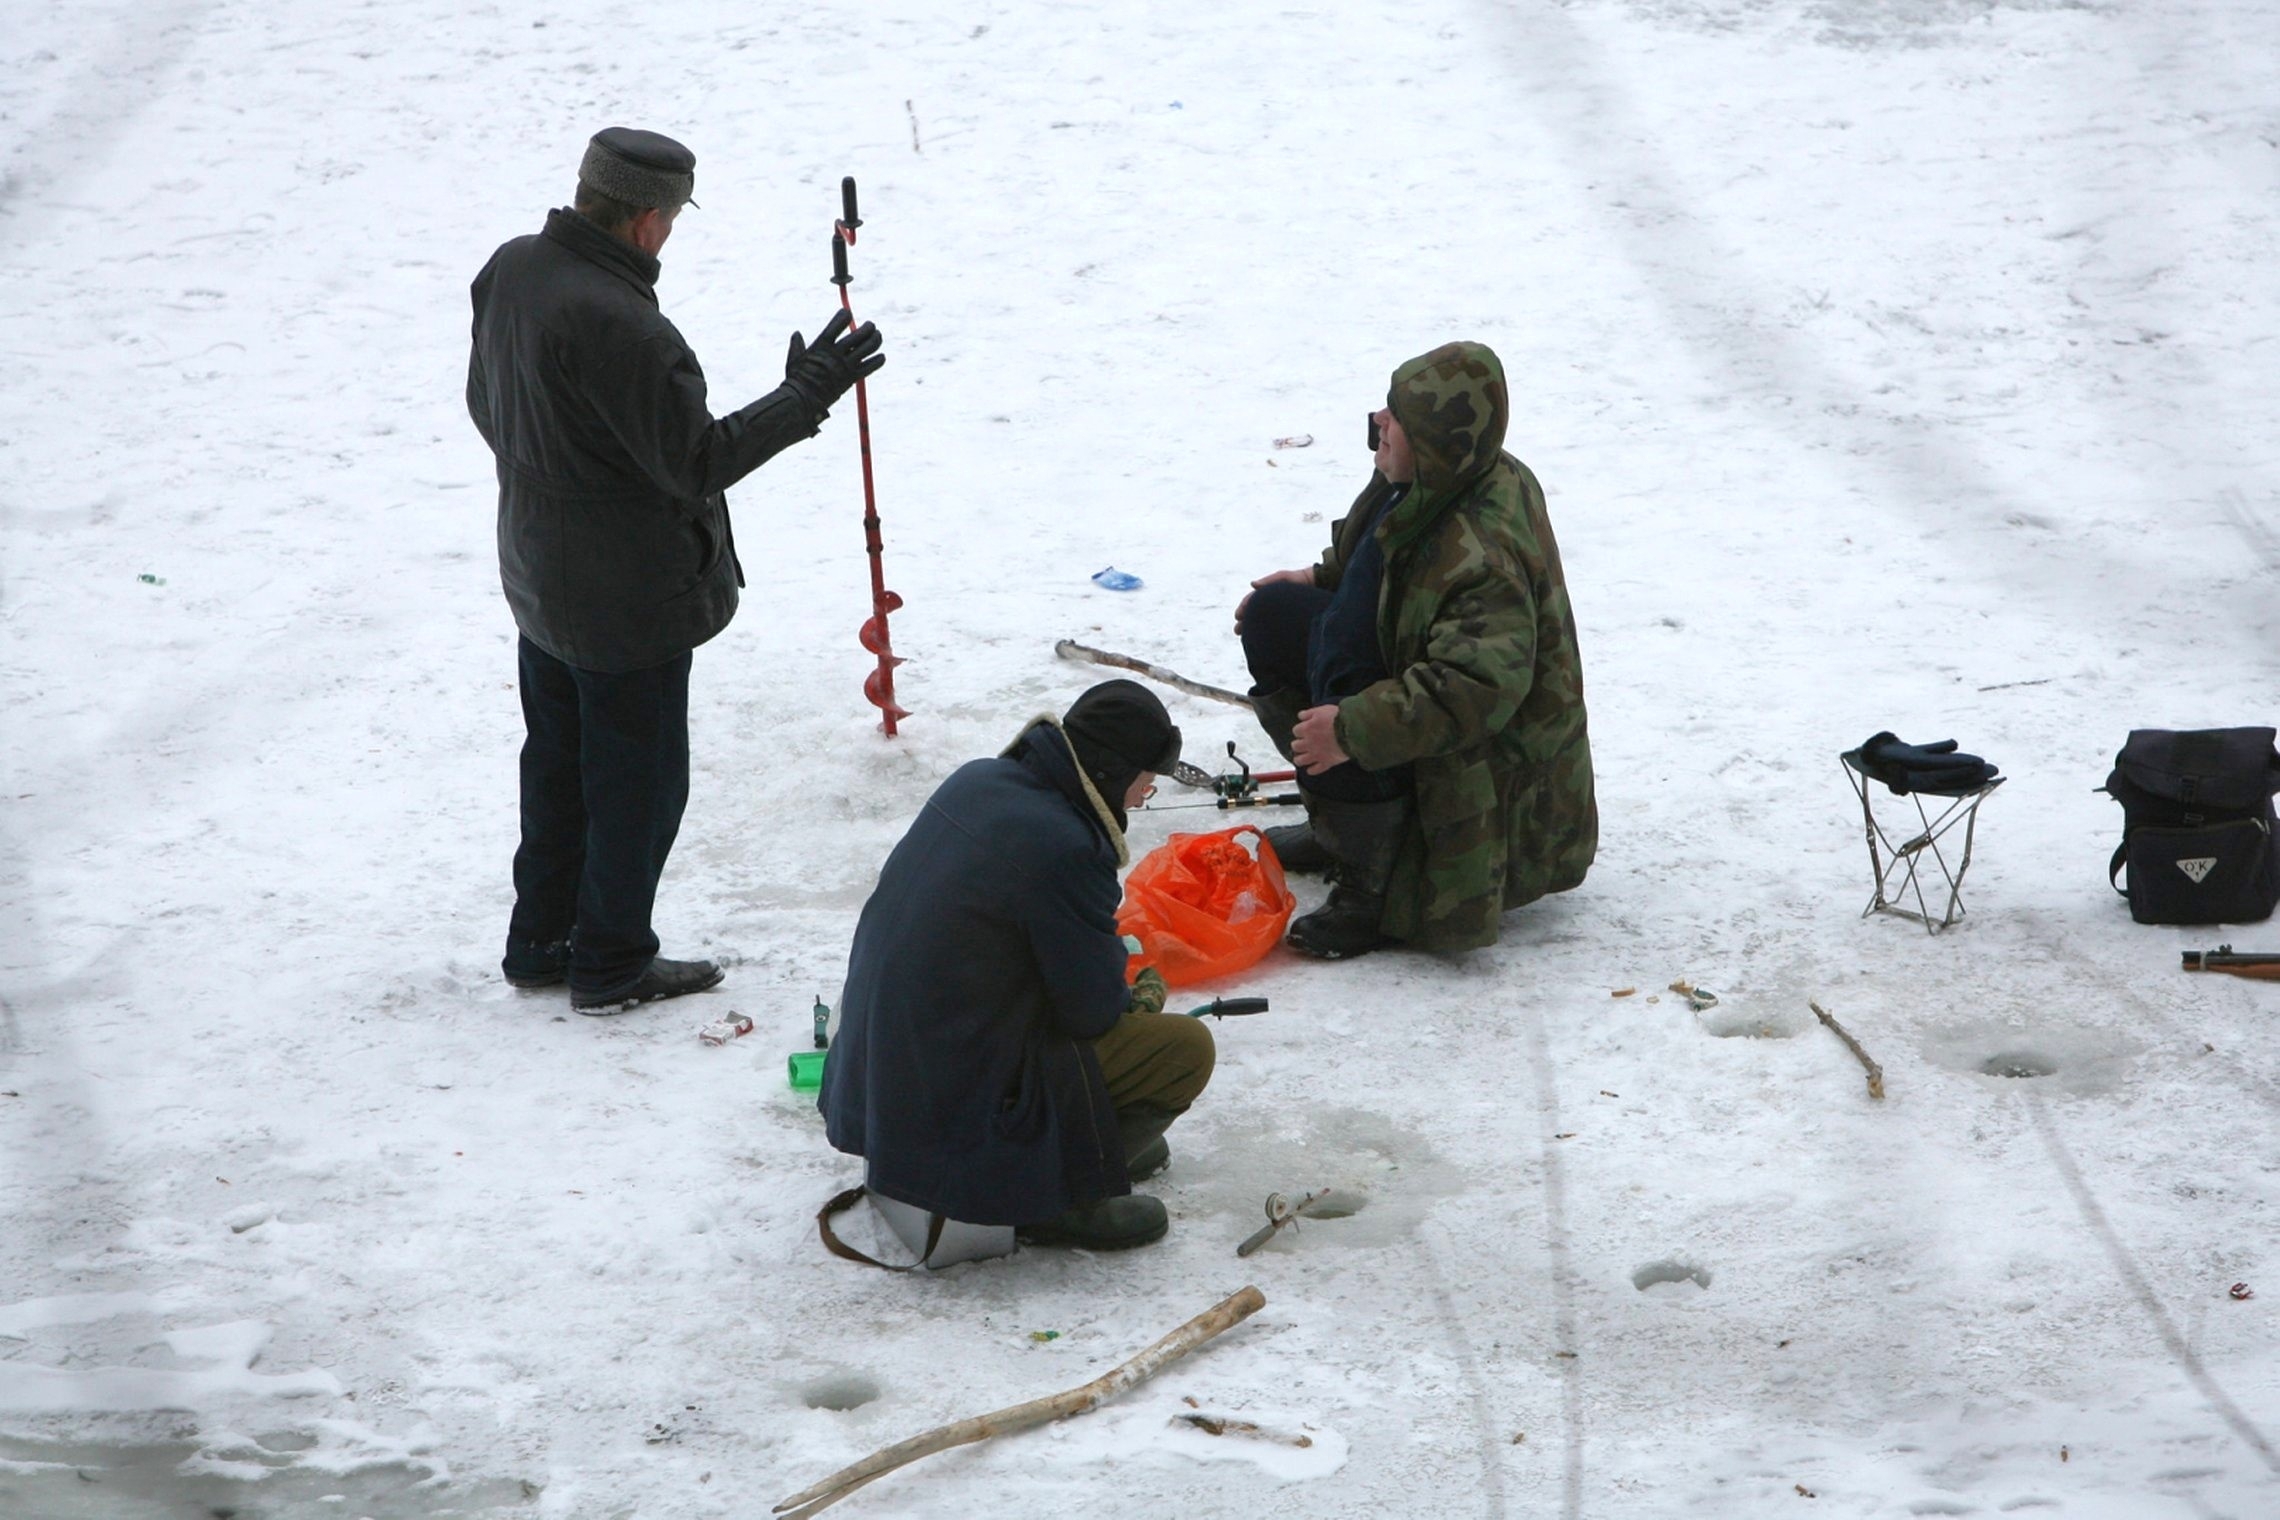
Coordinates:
(991,1063)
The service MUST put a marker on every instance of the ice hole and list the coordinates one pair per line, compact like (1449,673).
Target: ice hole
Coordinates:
(286,1441)
(2018,1063)
(840,1390)
(1671,1278)
(1747,1029)
(1730,1023)
(1339,1203)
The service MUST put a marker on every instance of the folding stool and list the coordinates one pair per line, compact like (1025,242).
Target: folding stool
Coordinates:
(1898,867)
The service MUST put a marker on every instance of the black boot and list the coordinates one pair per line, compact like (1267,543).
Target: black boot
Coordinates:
(1295,845)
(1363,840)
(530,963)
(1141,1130)
(1298,849)
(662,979)
(1113,1224)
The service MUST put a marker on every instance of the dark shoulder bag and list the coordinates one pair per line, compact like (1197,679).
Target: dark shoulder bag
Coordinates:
(2197,821)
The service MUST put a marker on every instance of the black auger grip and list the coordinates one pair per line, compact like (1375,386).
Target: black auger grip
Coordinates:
(839,275)
(1219,1008)
(847,203)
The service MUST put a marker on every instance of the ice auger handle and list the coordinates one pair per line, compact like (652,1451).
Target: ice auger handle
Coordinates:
(1228,1007)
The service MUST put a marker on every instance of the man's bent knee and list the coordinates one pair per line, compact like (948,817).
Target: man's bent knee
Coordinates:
(1156,1060)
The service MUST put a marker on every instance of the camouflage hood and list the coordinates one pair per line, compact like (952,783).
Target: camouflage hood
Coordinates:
(1453,405)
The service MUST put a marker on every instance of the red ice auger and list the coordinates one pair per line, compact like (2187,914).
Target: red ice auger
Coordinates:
(879,685)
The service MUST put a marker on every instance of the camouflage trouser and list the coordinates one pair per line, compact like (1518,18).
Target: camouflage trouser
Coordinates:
(1155,1060)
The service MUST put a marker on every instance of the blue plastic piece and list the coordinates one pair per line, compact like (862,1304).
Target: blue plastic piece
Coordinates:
(1113,579)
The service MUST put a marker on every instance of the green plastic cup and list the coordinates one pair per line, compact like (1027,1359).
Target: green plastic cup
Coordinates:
(807,1069)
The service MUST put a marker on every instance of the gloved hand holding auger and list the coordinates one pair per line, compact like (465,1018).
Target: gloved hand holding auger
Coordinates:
(827,369)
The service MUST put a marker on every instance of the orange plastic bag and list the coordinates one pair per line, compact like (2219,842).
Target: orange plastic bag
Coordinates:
(1202,905)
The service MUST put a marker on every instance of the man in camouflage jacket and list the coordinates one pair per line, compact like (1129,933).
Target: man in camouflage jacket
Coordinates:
(1446,763)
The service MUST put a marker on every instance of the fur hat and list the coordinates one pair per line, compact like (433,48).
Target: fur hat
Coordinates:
(642,169)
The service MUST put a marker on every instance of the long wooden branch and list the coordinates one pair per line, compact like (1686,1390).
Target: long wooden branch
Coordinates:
(1875,1072)
(1212,1322)
(1070,649)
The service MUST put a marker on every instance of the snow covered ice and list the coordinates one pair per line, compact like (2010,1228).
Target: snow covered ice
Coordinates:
(1906,365)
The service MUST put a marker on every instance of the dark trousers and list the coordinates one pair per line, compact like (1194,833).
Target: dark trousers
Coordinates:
(1278,629)
(605,775)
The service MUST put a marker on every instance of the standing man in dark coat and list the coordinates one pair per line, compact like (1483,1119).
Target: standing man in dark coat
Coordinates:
(991,1063)
(616,553)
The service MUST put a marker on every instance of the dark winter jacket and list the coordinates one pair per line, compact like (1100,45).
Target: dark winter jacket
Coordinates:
(1485,699)
(983,966)
(614,542)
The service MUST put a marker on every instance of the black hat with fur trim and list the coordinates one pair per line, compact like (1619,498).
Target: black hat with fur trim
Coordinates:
(642,169)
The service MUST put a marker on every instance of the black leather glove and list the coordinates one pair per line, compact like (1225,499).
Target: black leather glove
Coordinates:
(1939,769)
(825,370)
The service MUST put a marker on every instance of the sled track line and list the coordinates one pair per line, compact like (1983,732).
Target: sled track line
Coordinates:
(1484,1414)
(123,74)
(1558,1248)
(2126,1265)
(2262,537)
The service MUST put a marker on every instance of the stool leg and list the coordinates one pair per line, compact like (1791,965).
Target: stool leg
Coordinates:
(1955,908)
(1868,830)
(1955,882)
(1914,850)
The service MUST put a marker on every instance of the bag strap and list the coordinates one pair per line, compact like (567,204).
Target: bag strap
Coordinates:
(840,1248)
(2114,866)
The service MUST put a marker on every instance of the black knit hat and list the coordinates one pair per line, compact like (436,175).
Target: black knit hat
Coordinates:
(1118,729)
(642,169)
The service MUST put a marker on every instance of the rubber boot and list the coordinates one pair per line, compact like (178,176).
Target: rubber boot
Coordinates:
(1113,1224)
(1298,847)
(1363,840)
(1146,1151)
(1294,843)
(1277,712)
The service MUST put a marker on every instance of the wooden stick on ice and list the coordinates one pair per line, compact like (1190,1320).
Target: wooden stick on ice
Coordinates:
(1060,1406)
(1070,649)
(1875,1072)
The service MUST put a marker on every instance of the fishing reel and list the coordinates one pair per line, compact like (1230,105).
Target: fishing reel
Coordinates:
(1239,789)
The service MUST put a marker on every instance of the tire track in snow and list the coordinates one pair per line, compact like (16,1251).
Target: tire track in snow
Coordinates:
(1730,322)
(124,73)
(1484,1414)
(2262,537)
(2124,1264)
(1557,1248)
